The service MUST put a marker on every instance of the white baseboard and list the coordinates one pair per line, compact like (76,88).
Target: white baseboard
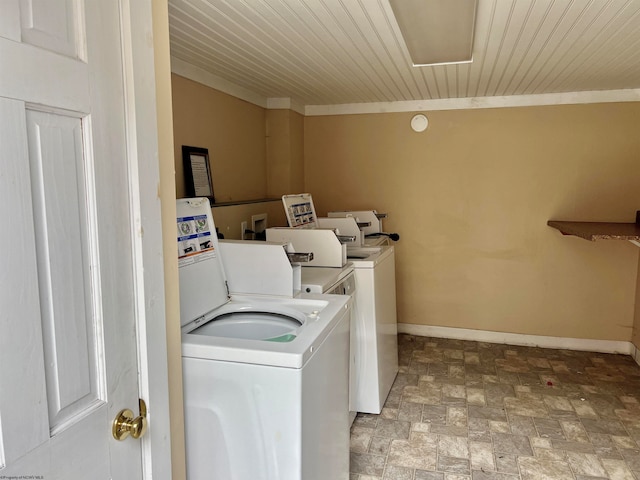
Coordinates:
(585,344)
(635,353)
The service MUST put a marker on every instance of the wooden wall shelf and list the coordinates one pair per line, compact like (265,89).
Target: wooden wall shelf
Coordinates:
(599,230)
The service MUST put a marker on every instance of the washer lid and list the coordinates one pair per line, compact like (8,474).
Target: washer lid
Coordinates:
(203,285)
(369,257)
(300,210)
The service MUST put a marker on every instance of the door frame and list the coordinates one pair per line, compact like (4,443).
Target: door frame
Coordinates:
(146,228)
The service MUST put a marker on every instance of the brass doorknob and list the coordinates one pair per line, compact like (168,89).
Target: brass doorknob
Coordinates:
(126,423)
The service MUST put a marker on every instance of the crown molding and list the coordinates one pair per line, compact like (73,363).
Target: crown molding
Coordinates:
(569,98)
(199,75)
(285,104)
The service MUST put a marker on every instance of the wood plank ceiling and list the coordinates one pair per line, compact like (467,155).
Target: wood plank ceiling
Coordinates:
(327,52)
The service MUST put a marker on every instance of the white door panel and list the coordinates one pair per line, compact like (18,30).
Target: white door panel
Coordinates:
(53,460)
(54,25)
(22,380)
(68,267)
(10,20)
(68,357)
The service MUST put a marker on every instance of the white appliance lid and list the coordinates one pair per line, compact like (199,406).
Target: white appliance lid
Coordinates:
(203,285)
(300,210)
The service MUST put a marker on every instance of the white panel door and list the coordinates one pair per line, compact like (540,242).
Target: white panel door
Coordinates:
(68,359)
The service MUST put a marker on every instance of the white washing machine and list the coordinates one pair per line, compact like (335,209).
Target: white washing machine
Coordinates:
(337,281)
(330,280)
(265,378)
(375,329)
(371,226)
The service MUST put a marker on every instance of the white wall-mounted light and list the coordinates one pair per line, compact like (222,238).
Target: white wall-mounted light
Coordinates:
(419,123)
(436,32)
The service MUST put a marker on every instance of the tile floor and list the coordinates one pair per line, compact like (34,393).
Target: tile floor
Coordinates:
(471,410)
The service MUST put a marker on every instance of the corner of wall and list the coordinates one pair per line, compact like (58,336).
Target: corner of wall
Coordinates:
(285,152)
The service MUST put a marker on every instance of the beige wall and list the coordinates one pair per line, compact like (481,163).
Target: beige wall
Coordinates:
(254,153)
(470,198)
(231,129)
(285,152)
(228,218)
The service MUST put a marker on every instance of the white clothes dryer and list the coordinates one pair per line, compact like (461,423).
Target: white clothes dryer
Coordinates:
(265,378)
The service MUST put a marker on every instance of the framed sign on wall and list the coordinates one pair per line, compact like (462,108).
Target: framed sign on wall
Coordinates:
(197,172)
